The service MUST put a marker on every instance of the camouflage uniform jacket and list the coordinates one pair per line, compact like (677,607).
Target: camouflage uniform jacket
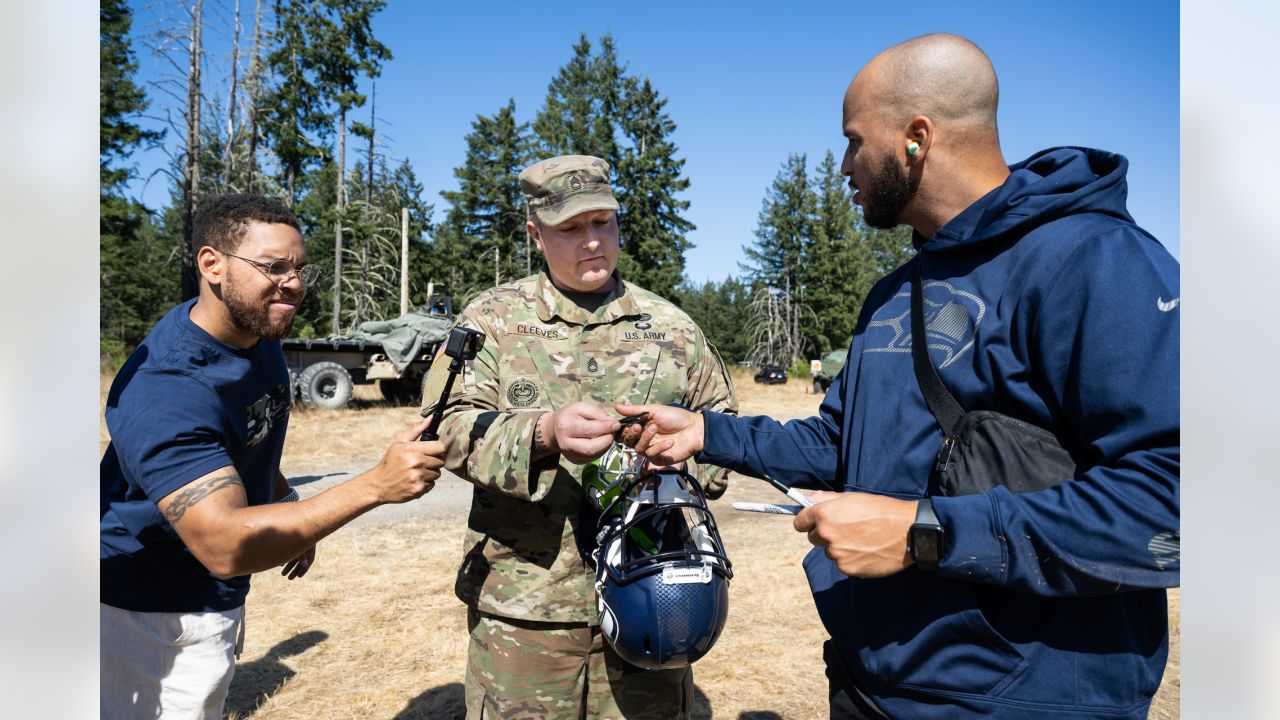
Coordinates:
(531,528)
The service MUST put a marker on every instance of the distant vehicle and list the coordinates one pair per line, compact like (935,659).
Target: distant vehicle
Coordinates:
(772,375)
(824,371)
(396,354)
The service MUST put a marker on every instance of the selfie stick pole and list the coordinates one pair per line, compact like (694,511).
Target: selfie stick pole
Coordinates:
(461,346)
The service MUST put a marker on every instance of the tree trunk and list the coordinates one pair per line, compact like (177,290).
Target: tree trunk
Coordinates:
(404,262)
(256,72)
(373,131)
(191,166)
(228,159)
(337,236)
(368,203)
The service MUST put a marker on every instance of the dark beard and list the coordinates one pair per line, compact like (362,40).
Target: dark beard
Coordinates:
(253,318)
(887,195)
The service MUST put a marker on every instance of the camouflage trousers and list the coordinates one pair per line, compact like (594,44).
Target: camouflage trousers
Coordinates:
(548,671)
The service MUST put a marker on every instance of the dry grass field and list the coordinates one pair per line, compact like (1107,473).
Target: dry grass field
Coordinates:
(374,631)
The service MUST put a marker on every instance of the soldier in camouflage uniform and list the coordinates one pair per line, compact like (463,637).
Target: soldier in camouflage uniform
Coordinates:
(562,345)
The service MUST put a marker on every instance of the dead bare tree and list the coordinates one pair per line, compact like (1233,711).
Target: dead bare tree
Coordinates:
(369,132)
(228,155)
(253,89)
(775,327)
(376,292)
(191,161)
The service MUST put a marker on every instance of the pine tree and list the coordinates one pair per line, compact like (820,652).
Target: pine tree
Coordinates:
(401,189)
(487,210)
(723,312)
(127,252)
(647,179)
(121,100)
(318,192)
(842,269)
(293,118)
(889,248)
(344,48)
(785,228)
(579,116)
(778,260)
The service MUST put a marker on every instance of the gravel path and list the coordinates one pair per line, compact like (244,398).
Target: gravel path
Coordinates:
(451,496)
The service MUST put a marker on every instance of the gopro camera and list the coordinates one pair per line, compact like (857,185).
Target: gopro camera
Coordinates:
(463,343)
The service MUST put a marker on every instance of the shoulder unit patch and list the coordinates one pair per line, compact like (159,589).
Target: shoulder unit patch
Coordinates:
(522,393)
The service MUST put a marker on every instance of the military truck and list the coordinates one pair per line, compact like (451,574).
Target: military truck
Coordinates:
(393,353)
(824,371)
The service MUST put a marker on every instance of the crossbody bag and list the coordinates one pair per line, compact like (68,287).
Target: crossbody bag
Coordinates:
(982,449)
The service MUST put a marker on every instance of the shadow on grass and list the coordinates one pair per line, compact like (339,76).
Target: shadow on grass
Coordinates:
(255,682)
(297,480)
(448,702)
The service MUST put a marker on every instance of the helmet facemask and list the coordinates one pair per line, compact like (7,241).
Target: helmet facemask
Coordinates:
(662,574)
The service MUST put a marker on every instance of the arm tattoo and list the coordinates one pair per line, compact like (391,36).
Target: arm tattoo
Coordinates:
(189,496)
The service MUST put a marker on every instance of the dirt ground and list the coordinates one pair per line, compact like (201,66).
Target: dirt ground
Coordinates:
(374,630)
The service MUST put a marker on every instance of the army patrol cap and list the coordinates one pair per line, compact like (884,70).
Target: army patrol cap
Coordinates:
(560,187)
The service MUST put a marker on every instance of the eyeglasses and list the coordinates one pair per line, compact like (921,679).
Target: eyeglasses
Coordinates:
(281,270)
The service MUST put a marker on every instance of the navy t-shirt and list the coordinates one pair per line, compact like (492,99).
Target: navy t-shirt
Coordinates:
(183,405)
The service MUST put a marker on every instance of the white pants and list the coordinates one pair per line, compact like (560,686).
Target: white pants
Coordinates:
(165,665)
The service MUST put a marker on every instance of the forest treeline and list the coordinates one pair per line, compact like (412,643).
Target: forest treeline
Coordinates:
(285,116)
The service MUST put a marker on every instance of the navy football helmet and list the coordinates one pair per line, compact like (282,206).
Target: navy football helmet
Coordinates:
(662,575)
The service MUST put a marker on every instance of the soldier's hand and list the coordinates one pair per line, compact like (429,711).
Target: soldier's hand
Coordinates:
(409,468)
(670,436)
(581,432)
(865,534)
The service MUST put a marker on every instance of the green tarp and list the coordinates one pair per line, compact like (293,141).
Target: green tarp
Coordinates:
(402,338)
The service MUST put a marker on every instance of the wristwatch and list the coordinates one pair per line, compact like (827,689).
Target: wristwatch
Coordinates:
(926,540)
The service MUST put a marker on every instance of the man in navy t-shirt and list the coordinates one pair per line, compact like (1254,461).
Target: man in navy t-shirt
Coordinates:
(1043,302)
(191,487)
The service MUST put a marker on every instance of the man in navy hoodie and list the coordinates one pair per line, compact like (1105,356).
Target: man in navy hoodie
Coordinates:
(1048,304)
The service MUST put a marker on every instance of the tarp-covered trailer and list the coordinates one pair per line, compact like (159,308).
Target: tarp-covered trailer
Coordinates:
(393,353)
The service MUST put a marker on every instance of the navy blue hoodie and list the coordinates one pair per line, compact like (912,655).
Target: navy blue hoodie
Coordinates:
(1047,303)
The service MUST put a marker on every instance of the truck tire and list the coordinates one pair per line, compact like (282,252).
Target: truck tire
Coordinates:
(325,385)
(402,391)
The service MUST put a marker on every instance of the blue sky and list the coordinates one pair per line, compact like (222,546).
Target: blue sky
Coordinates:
(748,83)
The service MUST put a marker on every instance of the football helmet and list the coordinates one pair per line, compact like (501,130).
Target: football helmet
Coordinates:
(662,575)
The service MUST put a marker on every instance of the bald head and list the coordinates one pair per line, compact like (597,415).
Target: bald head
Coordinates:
(921,123)
(941,76)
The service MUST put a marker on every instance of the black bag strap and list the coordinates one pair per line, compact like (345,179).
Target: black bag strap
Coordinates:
(945,408)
